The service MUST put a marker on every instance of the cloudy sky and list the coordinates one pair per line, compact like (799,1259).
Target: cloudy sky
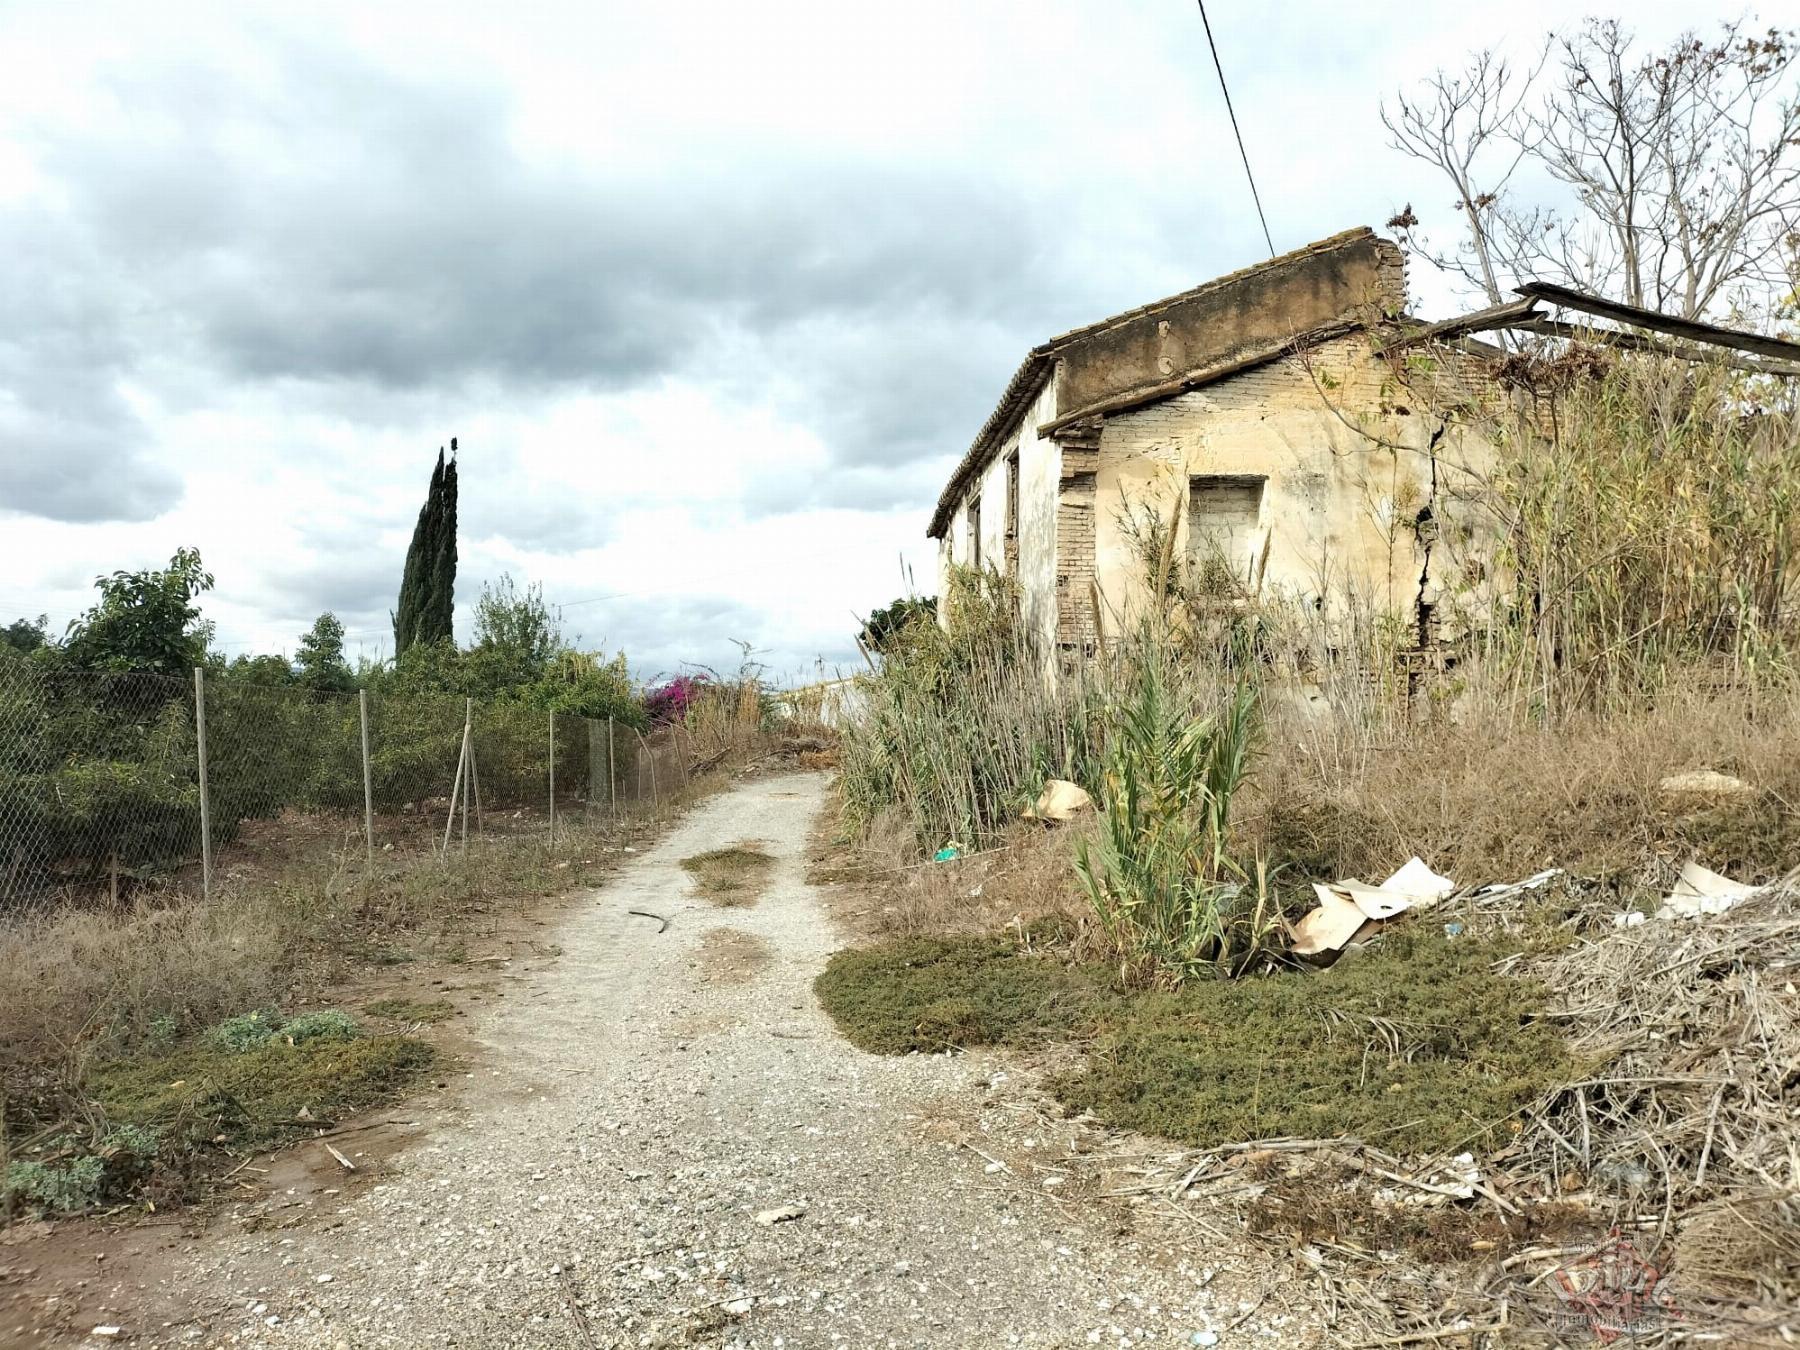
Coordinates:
(713,294)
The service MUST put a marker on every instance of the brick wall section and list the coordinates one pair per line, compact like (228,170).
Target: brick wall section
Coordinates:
(1075,507)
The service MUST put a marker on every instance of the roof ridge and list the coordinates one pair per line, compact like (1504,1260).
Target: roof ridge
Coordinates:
(1337,240)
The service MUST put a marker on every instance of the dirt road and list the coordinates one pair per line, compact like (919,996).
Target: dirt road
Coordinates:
(632,1111)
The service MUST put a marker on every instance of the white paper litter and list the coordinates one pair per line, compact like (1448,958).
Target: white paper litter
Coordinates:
(1344,906)
(1699,892)
(1419,883)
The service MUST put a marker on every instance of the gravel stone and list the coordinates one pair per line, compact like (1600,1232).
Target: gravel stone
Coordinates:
(600,1178)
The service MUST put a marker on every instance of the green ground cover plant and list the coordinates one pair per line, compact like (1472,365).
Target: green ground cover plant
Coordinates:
(1417,1043)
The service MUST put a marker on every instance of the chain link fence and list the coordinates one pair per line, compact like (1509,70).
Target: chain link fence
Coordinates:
(119,781)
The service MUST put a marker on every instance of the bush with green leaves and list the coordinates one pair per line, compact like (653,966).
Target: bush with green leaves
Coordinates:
(1169,895)
(246,1032)
(71,1177)
(326,1024)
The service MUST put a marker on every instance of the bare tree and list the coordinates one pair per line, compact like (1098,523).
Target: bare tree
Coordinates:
(1464,124)
(1682,169)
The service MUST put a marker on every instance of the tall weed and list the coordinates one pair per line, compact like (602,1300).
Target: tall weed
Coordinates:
(961,727)
(1169,895)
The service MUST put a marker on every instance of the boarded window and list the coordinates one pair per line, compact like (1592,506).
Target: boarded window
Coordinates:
(1012,513)
(1223,511)
(974,532)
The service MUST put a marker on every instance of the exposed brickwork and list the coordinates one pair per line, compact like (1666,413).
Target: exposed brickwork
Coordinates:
(1075,507)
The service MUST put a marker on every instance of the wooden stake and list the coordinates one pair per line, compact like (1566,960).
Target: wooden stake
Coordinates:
(456,786)
(475,785)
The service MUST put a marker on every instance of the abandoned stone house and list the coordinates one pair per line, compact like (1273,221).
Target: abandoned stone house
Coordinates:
(1254,411)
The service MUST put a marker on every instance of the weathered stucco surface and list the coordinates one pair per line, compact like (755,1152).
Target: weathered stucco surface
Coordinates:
(1348,280)
(1268,374)
(1039,461)
(1348,466)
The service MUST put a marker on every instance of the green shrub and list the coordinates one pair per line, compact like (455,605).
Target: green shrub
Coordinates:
(62,1187)
(1417,1044)
(202,1090)
(74,1178)
(327,1024)
(411,1009)
(245,1032)
(960,727)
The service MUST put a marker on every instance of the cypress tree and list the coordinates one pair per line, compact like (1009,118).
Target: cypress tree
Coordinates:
(428,583)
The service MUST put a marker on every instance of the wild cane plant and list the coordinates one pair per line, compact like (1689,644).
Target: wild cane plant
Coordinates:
(1169,896)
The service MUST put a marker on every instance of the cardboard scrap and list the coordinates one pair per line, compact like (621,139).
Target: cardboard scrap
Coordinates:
(1699,892)
(1419,883)
(1059,801)
(1328,927)
(1345,906)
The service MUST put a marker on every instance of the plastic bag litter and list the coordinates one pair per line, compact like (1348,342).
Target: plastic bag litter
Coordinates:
(1059,801)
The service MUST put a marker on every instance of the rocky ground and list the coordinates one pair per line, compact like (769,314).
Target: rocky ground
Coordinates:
(659,1139)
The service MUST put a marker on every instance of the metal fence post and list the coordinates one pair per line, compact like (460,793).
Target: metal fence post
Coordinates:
(475,779)
(553,778)
(612,781)
(591,796)
(205,801)
(468,765)
(362,707)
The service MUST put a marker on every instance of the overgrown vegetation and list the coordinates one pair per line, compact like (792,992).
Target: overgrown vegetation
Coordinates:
(91,987)
(408,1011)
(730,876)
(250,1081)
(960,727)
(98,740)
(1618,608)
(1625,610)
(1418,1044)
(932,994)
(1161,877)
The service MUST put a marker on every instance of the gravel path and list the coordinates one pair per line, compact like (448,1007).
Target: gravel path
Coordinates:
(638,1106)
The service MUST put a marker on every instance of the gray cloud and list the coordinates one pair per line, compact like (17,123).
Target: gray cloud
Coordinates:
(359,229)
(71,448)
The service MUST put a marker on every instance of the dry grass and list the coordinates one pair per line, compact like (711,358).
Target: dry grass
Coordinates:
(1689,1126)
(94,984)
(879,889)
(733,876)
(1485,801)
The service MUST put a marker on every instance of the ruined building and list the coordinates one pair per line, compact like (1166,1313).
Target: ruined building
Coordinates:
(1256,412)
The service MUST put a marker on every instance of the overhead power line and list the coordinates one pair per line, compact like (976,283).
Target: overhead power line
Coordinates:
(1232,113)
